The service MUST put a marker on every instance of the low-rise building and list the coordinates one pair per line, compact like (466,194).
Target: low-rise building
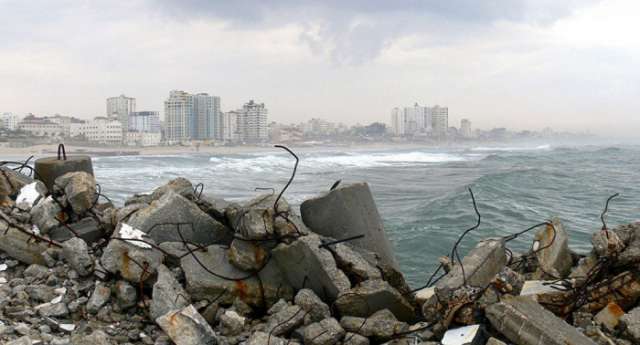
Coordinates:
(9,121)
(143,138)
(40,126)
(102,130)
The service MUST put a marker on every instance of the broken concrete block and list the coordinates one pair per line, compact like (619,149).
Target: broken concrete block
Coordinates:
(623,289)
(76,252)
(480,267)
(609,316)
(525,322)
(31,194)
(179,185)
(79,190)
(255,219)
(168,294)
(231,323)
(312,304)
(21,246)
(550,294)
(346,211)
(135,261)
(285,320)
(45,214)
(11,181)
(100,296)
(606,243)
(247,256)
(353,264)
(371,296)
(424,294)
(262,338)
(187,327)
(631,324)
(494,341)
(305,264)
(87,229)
(98,337)
(325,332)
(468,335)
(355,339)
(159,219)
(126,294)
(381,326)
(230,282)
(552,251)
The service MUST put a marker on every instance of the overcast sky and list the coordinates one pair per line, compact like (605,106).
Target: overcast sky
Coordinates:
(516,63)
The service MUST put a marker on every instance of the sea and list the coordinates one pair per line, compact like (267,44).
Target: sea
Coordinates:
(422,193)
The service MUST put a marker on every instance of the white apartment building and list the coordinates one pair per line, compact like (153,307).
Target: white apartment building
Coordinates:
(9,121)
(178,116)
(143,138)
(103,130)
(230,126)
(440,116)
(465,128)
(252,122)
(120,108)
(205,110)
(40,126)
(144,121)
(418,120)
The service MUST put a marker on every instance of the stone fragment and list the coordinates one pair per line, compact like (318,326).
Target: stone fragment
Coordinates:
(228,282)
(631,324)
(609,316)
(52,310)
(168,294)
(31,194)
(45,214)
(246,255)
(312,305)
(525,322)
(585,265)
(21,246)
(551,246)
(76,252)
(346,211)
(255,219)
(79,190)
(98,337)
(508,281)
(231,324)
(126,294)
(87,229)
(187,327)
(371,296)
(25,340)
(325,332)
(179,185)
(128,258)
(100,296)
(215,207)
(40,293)
(12,181)
(355,339)
(424,295)
(36,271)
(468,335)
(305,264)
(262,338)
(353,264)
(285,320)
(380,326)
(159,219)
(606,243)
(494,341)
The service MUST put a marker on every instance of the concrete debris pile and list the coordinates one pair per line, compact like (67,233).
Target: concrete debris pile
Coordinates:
(176,266)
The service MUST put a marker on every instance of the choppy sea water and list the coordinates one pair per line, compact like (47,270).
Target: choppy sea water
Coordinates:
(421,193)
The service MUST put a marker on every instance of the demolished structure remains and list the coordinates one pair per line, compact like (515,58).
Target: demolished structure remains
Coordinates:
(179,266)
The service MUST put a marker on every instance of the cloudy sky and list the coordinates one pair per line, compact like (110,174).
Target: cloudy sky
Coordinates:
(570,64)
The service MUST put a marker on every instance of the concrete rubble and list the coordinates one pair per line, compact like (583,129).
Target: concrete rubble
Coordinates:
(176,267)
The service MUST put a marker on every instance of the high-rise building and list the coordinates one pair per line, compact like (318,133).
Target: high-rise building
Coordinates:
(205,110)
(397,122)
(440,120)
(229,127)
(120,108)
(465,128)
(252,122)
(9,121)
(144,121)
(178,116)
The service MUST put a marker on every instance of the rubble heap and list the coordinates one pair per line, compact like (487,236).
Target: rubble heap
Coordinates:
(175,266)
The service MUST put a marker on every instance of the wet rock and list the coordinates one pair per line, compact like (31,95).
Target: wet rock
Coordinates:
(100,296)
(76,252)
(135,261)
(285,320)
(159,218)
(98,337)
(325,332)
(87,229)
(168,294)
(187,327)
(230,282)
(314,307)
(45,214)
(346,211)
(552,251)
(126,294)
(523,321)
(179,185)
(231,323)
(305,264)
(631,324)
(371,296)
(380,326)
(79,190)
(609,317)
(247,256)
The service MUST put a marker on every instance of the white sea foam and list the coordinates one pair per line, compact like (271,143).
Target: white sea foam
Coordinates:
(510,149)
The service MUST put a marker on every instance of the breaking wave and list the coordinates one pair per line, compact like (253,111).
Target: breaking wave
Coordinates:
(512,149)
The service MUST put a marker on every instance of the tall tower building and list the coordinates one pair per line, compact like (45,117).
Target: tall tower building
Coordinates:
(205,112)
(252,122)
(440,120)
(120,108)
(465,128)
(178,116)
